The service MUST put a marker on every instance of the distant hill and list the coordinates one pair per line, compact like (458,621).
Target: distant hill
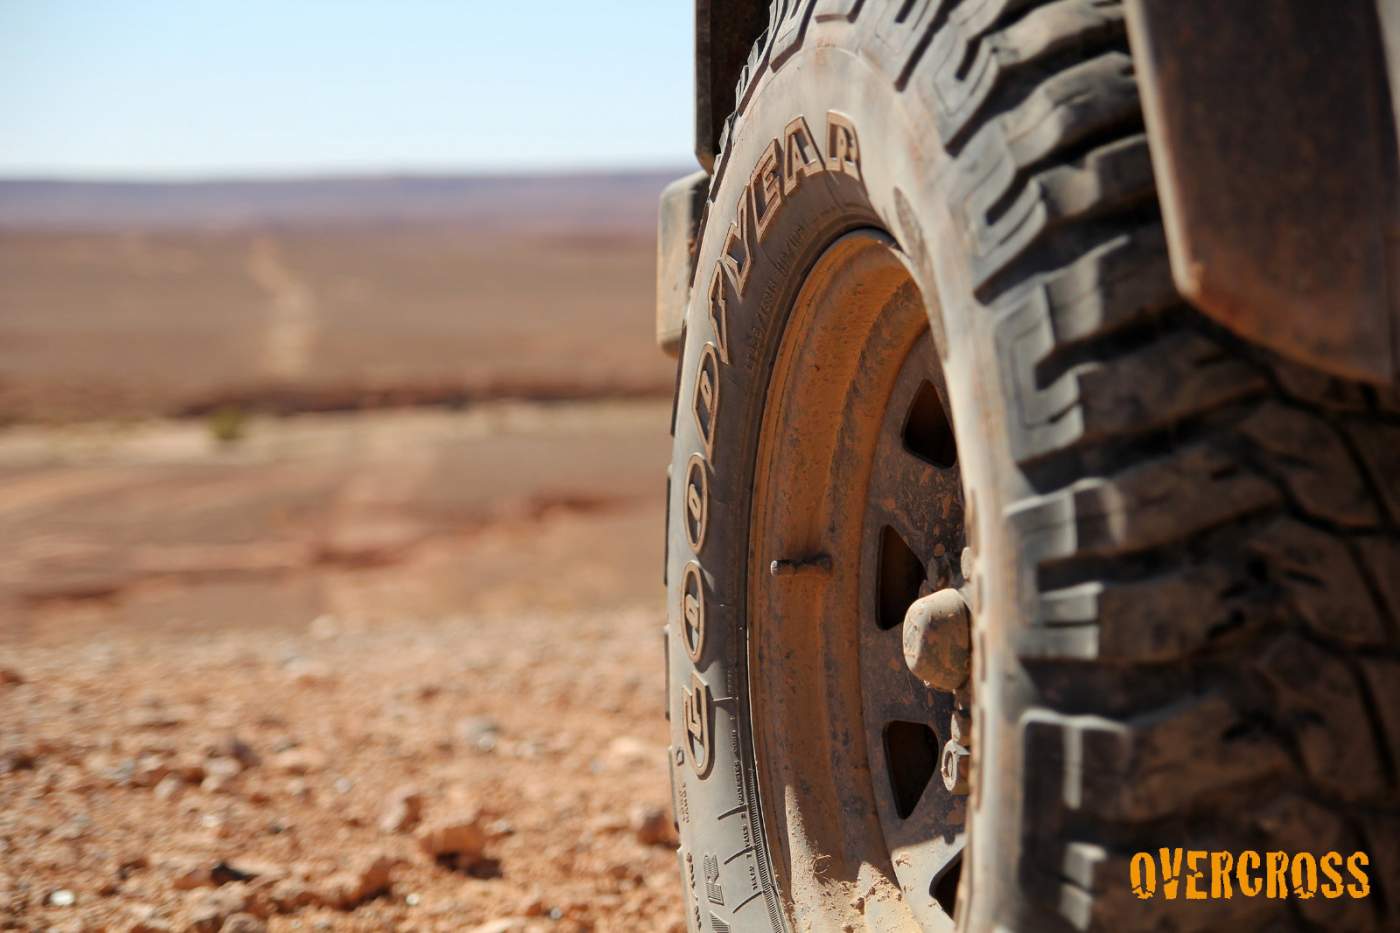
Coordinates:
(620,201)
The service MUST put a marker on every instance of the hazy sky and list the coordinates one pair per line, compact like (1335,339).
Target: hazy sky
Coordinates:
(191,87)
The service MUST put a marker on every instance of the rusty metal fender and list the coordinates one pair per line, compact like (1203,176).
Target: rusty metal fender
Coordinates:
(725,31)
(1273,139)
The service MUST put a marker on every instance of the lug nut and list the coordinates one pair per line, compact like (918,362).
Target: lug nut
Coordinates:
(954,765)
(937,643)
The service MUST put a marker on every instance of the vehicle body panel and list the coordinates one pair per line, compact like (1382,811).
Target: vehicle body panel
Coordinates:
(1273,129)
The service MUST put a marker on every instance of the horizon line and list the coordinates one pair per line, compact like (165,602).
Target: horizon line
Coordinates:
(338,174)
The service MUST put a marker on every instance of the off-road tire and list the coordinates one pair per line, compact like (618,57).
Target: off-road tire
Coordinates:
(1187,549)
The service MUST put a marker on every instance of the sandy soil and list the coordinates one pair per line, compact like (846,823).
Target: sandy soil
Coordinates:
(390,670)
(112,325)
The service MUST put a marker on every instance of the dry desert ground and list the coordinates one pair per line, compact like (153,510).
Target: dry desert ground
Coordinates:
(330,570)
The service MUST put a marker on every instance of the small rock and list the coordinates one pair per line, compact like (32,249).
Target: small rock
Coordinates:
(253,869)
(404,810)
(9,677)
(526,750)
(292,894)
(169,787)
(299,761)
(187,874)
(62,898)
(231,746)
(375,875)
(464,839)
(324,627)
(653,827)
(131,864)
(189,766)
(147,925)
(157,717)
(307,673)
(222,767)
(609,823)
(260,902)
(73,830)
(220,775)
(483,868)
(503,925)
(480,732)
(627,750)
(243,923)
(227,872)
(212,909)
(149,771)
(217,824)
(347,890)
(75,925)
(216,785)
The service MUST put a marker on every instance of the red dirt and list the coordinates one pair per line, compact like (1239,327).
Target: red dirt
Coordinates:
(467,603)
(240,654)
(117,325)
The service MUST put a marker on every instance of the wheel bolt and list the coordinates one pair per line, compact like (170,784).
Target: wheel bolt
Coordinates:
(937,643)
(955,765)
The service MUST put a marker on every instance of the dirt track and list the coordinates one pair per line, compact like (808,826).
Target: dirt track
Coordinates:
(97,325)
(221,662)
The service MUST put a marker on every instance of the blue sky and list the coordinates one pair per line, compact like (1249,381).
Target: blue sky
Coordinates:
(192,88)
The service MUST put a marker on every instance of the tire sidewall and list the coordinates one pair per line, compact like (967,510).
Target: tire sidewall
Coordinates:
(726,862)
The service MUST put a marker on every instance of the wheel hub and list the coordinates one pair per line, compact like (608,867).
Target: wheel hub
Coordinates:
(911,568)
(937,641)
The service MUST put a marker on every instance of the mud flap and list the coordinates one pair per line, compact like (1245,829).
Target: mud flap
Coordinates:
(1274,147)
(682,202)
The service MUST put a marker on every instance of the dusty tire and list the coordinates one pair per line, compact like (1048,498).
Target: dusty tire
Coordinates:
(1187,565)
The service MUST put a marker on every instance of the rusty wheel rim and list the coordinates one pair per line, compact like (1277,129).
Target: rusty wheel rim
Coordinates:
(911,546)
(857,512)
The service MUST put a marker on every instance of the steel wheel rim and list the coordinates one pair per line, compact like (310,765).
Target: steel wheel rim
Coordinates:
(841,497)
